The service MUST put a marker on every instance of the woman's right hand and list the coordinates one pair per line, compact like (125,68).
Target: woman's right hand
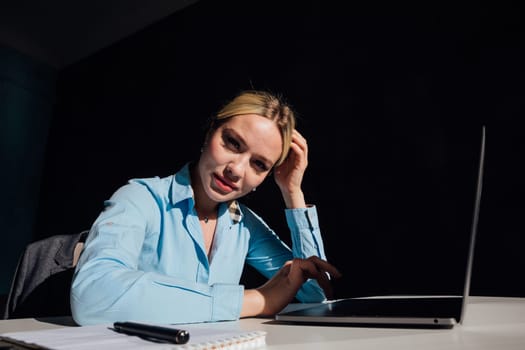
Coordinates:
(281,289)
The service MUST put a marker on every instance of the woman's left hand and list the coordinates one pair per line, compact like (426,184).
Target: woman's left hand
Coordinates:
(289,175)
(280,290)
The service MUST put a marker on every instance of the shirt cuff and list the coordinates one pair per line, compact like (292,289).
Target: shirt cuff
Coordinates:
(227,301)
(303,218)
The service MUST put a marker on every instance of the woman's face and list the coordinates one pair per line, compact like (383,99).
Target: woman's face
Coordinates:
(238,156)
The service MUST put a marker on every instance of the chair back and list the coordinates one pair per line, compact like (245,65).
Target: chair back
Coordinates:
(42,280)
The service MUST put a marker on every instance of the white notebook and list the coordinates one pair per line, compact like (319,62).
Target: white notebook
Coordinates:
(101,337)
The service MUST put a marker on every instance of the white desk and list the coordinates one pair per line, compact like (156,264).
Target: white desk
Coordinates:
(491,323)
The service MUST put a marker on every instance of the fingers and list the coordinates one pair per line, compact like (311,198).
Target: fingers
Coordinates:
(310,270)
(314,268)
(325,266)
(278,291)
(289,174)
(298,138)
(299,144)
(324,273)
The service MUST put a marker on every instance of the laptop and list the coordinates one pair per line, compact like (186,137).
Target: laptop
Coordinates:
(429,311)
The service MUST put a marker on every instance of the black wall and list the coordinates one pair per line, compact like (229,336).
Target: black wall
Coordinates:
(391,99)
(27,96)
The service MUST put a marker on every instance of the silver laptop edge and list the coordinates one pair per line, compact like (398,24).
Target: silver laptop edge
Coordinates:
(412,321)
(474,228)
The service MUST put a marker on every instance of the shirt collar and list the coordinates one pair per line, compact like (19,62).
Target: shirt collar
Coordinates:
(235,211)
(181,190)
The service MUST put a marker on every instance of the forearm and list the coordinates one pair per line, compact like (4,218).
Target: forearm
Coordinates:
(294,200)
(272,296)
(115,295)
(253,303)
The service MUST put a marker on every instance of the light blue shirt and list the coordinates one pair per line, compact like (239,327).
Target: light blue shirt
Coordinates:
(144,258)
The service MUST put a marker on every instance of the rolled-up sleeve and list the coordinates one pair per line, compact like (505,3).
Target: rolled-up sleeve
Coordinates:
(305,231)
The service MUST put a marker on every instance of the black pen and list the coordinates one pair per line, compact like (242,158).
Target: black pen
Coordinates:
(158,333)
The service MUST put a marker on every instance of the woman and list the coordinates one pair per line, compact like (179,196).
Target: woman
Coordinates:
(172,250)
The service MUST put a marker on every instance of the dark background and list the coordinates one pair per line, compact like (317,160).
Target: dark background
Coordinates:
(390,97)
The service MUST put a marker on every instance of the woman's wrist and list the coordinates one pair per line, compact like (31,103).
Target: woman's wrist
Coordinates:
(294,200)
(252,304)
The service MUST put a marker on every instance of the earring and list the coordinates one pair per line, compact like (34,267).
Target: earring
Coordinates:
(254,189)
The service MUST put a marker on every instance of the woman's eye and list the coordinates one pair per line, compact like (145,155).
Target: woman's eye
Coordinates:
(260,165)
(233,143)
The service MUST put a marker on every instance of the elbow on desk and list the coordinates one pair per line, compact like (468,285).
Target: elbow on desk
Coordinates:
(90,301)
(84,314)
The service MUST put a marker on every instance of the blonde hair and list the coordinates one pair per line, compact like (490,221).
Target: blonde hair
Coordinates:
(264,104)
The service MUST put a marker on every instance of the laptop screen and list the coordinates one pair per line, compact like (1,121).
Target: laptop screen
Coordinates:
(406,214)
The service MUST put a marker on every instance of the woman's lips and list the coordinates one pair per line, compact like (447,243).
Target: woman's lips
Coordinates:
(224,185)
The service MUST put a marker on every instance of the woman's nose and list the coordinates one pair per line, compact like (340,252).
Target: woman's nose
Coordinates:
(235,168)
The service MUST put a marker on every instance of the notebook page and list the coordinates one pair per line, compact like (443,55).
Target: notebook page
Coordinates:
(102,337)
